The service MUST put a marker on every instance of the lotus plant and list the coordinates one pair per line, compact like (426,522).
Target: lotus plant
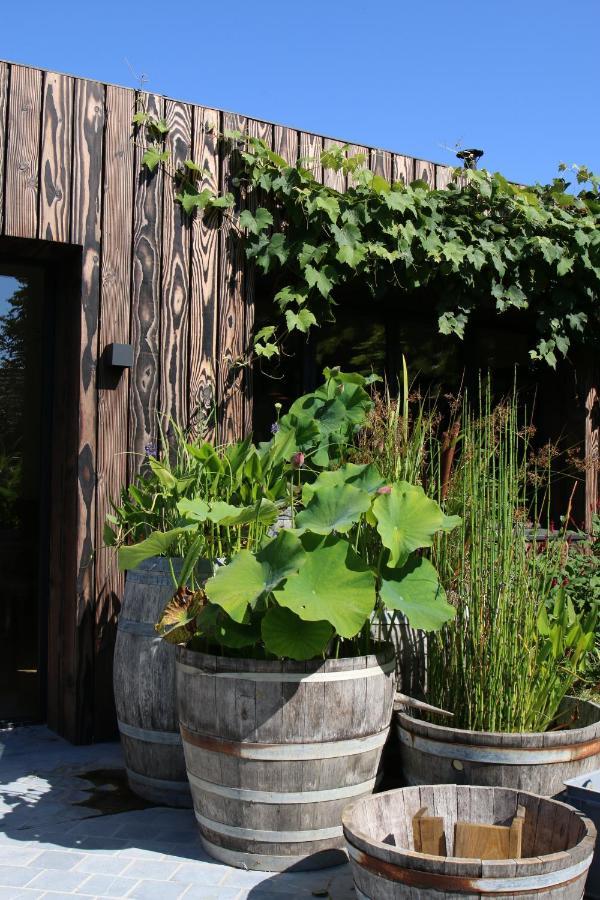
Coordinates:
(354,550)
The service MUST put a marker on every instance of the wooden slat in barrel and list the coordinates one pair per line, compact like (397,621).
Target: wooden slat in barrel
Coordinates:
(144,687)
(557,839)
(275,751)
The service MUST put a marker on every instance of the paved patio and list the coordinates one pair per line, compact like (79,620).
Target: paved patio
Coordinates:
(70,827)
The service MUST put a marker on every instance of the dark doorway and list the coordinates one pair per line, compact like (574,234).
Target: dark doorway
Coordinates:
(26,342)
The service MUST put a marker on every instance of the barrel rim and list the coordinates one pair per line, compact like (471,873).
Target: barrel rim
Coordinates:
(157,562)
(504,739)
(454,865)
(212,663)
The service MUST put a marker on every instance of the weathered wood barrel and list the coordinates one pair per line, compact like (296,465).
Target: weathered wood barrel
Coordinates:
(557,846)
(275,750)
(539,762)
(144,687)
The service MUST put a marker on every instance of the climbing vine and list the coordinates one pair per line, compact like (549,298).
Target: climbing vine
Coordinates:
(482,242)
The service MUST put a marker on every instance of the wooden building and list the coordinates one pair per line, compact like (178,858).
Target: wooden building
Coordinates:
(119,264)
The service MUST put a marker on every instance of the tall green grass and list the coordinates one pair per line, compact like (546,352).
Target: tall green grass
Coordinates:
(516,645)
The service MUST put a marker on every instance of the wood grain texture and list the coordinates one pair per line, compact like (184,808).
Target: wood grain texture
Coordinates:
(145,299)
(263,131)
(4,81)
(86,231)
(403,168)
(176,277)
(385,866)
(425,171)
(443,176)
(286,143)
(55,162)
(310,147)
(23,152)
(113,385)
(234,711)
(231,311)
(381,164)
(358,150)
(148,704)
(331,178)
(204,285)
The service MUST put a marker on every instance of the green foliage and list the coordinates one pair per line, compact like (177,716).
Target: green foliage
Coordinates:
(295,591)
(481,243)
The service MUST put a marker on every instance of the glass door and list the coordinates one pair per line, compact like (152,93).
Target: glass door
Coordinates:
(25,343)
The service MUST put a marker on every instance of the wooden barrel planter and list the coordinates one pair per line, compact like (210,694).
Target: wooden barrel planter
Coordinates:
(538,762)
(275,750)
(144,687)
(557,846)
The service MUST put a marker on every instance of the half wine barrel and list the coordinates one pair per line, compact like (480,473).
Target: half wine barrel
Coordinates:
(557,846)
(144,687)
(275,750)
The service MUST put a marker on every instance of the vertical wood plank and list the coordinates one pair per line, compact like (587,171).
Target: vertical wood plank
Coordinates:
(310,153)
(176,277)
(55,164)
(425,171)
(592,451)
(403,168)
(4,75)
(381,164)
(264,131)
(443,176)
(23,152)
(358,150)
(145,299)
(336,180)
(231,313)
(86,231)
(204,286)
(286,144)
(113,387)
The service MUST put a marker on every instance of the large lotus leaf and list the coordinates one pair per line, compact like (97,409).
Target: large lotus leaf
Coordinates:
(230,516)
(286,635)
(196,510)
(335,507)
(407,520)
(157,544)
(238,584)
(333,585)
(281,557)
(415,590)
(362,476)
(241,582)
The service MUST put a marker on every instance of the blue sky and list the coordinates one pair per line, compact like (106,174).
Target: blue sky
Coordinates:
(519,79)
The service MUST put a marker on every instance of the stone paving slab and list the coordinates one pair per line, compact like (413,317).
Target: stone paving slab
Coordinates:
(57,838)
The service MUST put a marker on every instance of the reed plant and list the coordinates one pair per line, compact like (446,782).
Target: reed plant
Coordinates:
(516,645)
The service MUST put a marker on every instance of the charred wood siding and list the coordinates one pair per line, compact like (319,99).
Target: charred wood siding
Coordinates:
(181,292)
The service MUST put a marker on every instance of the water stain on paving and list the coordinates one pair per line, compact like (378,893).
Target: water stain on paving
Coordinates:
(110,793)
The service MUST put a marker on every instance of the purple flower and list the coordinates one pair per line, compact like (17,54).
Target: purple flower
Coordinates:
(274,427)
(151,450)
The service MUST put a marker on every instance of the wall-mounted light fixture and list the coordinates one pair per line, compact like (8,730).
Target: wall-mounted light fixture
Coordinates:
(120,356)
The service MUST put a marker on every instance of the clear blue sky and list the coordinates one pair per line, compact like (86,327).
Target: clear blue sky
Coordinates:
(519,78)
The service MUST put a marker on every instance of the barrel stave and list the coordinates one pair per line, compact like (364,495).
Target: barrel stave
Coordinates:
(275,760)
(144,688)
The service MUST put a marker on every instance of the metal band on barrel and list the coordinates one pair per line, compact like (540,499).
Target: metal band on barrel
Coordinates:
(463,884)
(150,737)
(284,752)
(294,677)
(507,756)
